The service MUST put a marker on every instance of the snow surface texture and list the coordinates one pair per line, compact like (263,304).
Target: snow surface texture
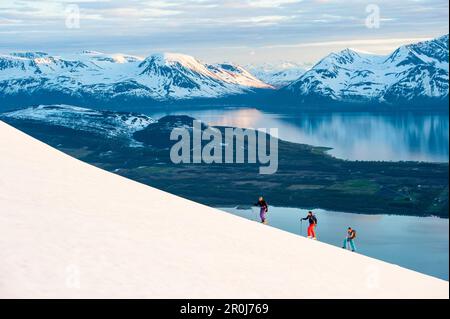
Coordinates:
(160,76)
(412,71)
(70,230)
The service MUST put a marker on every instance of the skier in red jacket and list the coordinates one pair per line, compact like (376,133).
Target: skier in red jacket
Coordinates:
(312,224)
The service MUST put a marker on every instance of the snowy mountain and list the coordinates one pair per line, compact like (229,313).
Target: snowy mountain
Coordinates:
(160,77)
(413,72)
(105,123)
(278,74)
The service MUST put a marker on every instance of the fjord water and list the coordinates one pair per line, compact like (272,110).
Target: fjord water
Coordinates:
(417,243)
(352,136)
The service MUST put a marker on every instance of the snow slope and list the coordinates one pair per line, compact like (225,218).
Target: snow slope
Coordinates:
(72,230)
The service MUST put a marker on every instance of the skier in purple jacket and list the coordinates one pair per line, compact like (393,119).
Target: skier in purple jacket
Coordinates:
(264,208)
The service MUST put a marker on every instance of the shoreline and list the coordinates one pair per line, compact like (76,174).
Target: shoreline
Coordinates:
(401,236)
(244,207)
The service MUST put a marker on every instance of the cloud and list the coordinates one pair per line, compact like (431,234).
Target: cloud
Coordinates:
(352,43)
(271,3)
(141,26)
(133,13)
(259,21)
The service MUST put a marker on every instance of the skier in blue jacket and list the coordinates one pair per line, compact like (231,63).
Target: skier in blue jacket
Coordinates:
(349,240)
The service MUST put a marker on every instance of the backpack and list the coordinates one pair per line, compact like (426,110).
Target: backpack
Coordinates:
(314,219)
(354,234)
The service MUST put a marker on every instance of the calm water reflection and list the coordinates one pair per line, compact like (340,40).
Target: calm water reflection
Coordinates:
(417,243)
(355,136)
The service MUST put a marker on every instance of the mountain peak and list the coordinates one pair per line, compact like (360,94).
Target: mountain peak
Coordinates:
(425,52)
(278,74)
(444,38)
(112,58)
(349,52)
(343,57)
(29,54)
(169,58)
(91,52)
(347,56)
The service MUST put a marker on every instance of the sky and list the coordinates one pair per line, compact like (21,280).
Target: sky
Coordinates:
(240,31)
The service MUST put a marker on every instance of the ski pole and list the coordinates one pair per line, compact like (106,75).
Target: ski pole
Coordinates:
(301,227)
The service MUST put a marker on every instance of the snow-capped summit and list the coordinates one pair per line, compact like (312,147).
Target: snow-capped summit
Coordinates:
(172,60)
(415,71)
(173,74)
(346,56)
(433,51)
(103,57)
(277,74)
(21,71)
(29,55)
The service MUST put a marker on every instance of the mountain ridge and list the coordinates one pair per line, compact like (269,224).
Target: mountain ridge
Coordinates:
(414,71)
(412,74)
(165,76)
